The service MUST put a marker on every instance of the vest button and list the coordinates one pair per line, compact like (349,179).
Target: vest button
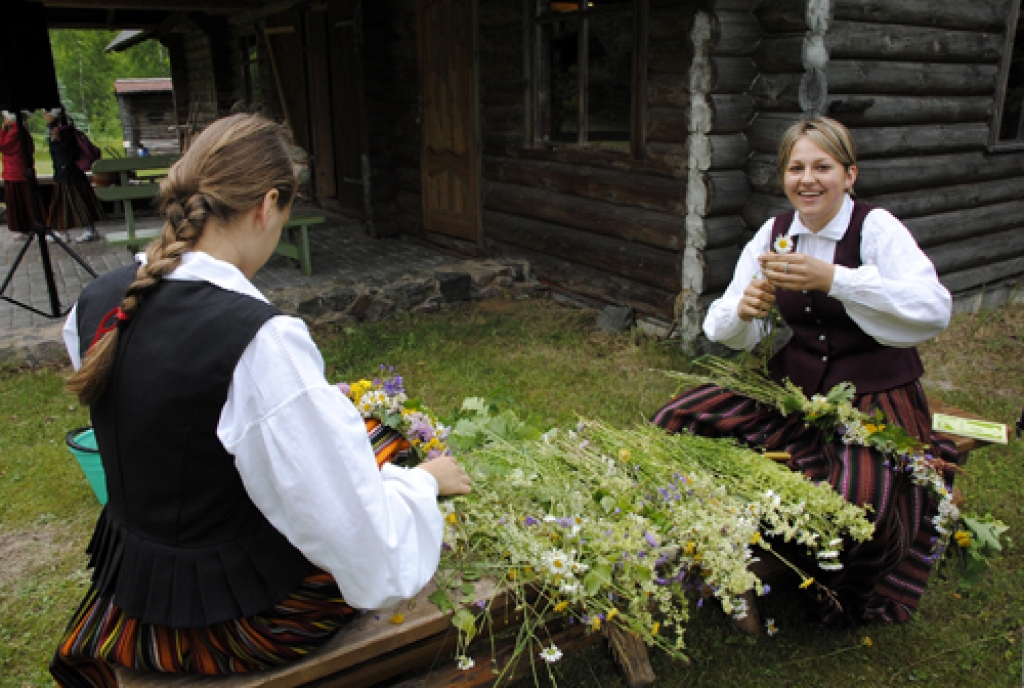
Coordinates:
(824,358)
(805,291)
(821,337)
(807,309)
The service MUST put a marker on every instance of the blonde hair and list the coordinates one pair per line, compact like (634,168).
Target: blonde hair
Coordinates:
(827,134)
(227,171)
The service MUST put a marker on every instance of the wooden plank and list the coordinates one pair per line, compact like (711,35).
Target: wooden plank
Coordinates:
(981,276)
(852,40)
(732,74)
(581,279)
(887,142)
(726,192)
(655,267)
(719,265)
(648,227)
(134,192)
(910,204)
(664,194)
(910,78)
(957,256)
(730,230)
(877,110)
(141,236)
(736,33)
(149,162)
(964,445)
(966,225)
(730,113)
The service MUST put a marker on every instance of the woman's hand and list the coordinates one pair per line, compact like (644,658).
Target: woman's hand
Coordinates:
(797,272)
(756,301)
(450,476)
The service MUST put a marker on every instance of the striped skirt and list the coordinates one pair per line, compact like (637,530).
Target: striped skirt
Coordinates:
(74,204)
(18,198)
(882,579)
(101,636)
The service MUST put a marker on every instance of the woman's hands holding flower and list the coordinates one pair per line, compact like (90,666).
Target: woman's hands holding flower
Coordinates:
(757,300)
(797,272)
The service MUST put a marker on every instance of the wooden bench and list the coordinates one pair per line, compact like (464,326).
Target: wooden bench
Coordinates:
(130,190)
(372,650)
(964,445)
(294,241)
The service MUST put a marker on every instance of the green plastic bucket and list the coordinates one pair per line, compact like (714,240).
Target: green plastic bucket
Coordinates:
(82,443)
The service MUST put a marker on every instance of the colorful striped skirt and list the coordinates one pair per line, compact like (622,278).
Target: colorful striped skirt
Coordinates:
(101,636)
(74,204)
(881,579)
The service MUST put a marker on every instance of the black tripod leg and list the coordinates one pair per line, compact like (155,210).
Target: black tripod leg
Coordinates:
(71,252)
(51,285)
(17,261)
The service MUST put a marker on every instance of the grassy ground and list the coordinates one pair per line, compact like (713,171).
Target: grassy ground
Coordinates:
(549,362)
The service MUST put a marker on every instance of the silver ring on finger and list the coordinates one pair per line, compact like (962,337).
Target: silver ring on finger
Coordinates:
(786,269)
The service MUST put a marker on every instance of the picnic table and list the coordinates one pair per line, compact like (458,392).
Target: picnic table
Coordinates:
(132,189)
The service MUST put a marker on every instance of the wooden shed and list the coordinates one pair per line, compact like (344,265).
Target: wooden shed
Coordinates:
(148,118)
(625,147)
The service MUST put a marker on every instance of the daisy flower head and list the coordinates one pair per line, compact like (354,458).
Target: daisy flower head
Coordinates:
(466,663)
(783,244)
(770,627)
(551,654)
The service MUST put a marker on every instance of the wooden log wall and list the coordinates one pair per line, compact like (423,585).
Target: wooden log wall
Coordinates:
(915,81)
(391,79)
(607,226)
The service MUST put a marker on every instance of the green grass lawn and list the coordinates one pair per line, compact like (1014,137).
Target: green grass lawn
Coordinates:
(550,363)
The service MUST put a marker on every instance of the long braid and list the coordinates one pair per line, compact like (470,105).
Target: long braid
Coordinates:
(228,169)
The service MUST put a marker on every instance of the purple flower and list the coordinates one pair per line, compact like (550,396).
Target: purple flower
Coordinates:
(641,554)
(662,581)
(502,520)
(344,387)
(700,602)
(766,589)
(530,521)
(445,546)
(650,540)
(565,522)
(481,604)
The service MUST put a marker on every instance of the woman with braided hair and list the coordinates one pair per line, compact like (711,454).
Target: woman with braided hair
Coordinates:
(247,517)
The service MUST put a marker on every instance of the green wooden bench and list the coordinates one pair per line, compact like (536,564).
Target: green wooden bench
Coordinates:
(294,241)
(129,191)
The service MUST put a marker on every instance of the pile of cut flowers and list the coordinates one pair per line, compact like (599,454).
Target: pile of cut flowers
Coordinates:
(600,525)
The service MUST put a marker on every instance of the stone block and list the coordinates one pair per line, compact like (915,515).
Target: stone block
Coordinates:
(615,319)
(454,286)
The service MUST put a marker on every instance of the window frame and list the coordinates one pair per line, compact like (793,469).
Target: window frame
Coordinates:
(638,98)
(995,144)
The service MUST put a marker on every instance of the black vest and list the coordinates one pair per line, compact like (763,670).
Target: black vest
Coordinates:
(180,543)
(827,346)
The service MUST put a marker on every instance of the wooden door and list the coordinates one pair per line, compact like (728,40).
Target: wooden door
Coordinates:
(450,159)
(347,105)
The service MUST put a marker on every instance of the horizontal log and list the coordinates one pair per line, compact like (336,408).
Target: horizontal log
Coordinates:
(730,113)
(776,92)
(966,225)
(736,33)
(587,281)
(664,194)
(919,139)
(670,155)
(670,125)
(974,278)
(637,262)
(721,232)
(732,74)
(767,129)
(647,227)
(854,39)
(712,152)
(669,56)
(727,192)
(909,204)
(668,90)
(596,158)
(992,248)
(719,265)
(903,173)
(877,110)
(760,207)
(910,78)
(783,16)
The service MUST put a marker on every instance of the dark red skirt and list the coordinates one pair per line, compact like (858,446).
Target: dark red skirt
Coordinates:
(882,579)
(19,206)
(74,204)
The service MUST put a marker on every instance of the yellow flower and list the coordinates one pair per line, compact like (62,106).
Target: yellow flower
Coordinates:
(689,549)
(624,455)
(397,618)
(808,582)
(513,574)
(595,623)
(452,519)
(866,641)
(561,606)
(963,538)
(656,628)
(612,614)
(757,537)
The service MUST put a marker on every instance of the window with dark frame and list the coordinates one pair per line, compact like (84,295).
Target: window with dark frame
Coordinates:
(253,91)
(585,87)
(1009,119)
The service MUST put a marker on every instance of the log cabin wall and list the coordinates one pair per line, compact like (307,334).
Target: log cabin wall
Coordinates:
(391,79)
(916,83)
(608,226)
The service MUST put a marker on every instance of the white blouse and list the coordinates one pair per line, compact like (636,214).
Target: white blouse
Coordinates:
(895,295)
(302,451)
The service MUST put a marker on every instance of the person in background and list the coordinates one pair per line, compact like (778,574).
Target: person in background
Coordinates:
(247,518)
(17,195)
(74,202)
(859,295)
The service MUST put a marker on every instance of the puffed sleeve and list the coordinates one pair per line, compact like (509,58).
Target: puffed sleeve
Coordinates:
(302,451)
(722,324)
(895,295)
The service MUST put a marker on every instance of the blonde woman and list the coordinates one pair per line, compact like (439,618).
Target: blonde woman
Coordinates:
(859,295)
(247,518)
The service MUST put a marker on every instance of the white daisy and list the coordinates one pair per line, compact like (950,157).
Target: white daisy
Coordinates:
(551,654)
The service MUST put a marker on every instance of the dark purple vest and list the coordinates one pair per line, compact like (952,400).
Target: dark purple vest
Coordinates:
(827,346)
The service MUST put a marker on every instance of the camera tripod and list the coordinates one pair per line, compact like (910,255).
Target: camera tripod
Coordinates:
(40,232)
